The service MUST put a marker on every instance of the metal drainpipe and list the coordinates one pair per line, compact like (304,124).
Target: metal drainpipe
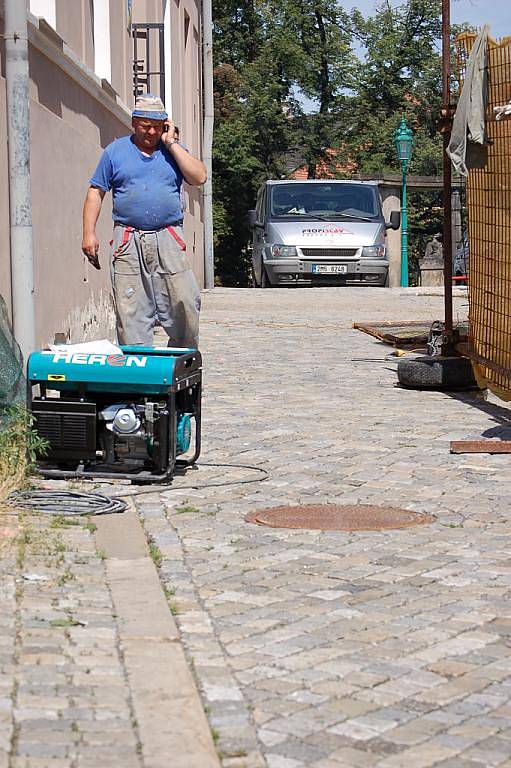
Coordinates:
(207,65)
(20,198)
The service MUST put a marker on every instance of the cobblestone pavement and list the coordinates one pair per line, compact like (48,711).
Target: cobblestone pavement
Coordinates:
(322,650)
(64,698)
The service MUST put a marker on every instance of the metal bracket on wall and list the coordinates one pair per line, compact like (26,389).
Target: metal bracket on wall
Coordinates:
(148,48)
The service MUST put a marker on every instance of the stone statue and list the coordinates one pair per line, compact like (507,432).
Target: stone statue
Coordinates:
(434,249)
(432,265)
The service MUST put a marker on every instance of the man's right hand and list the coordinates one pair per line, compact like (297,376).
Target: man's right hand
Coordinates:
(90,248)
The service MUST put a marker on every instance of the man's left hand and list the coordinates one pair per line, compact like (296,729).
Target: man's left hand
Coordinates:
(168,134)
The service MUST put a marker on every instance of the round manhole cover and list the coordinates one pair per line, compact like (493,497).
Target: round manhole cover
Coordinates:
(334,517)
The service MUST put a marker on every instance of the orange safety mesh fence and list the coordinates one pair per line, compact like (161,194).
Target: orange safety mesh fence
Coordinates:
(489,226)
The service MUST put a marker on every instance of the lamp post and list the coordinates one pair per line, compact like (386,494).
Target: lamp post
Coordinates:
(404,143)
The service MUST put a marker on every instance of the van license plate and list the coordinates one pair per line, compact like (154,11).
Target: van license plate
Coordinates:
(329,269)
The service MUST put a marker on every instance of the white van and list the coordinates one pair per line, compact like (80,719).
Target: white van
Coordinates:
(320,232)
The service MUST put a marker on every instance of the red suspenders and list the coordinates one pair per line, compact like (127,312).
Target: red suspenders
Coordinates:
(125,237)
(128,230)
(176,237)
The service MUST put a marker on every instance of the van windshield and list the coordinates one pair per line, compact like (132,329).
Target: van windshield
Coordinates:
(324,201)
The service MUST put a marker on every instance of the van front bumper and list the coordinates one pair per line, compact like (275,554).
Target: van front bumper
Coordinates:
(286,272)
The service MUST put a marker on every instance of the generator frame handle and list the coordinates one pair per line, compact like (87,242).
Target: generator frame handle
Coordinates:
(198,432)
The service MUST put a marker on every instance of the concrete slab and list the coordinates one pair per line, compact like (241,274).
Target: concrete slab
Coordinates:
(171,723)
(141,607)
(121,536)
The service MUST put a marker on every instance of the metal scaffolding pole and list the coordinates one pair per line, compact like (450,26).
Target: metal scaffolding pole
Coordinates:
(448,342)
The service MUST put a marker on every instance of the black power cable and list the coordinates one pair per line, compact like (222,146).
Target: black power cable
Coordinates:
(76,503)
(65,503)
(195,487)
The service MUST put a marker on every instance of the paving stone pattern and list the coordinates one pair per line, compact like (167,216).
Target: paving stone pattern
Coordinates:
(327,650)
(8,532)
(64,698)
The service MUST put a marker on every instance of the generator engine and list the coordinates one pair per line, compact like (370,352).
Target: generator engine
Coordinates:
(133,415)
(127,431)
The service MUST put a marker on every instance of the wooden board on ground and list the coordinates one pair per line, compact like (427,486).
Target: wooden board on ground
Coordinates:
(481,446)
(410,332)
(405,334)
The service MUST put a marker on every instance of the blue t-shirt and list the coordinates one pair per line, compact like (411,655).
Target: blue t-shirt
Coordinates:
(145,190)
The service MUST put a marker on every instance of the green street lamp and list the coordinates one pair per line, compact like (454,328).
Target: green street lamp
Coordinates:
(404,143)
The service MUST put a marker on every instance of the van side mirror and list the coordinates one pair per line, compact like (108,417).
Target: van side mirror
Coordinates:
(395,220)
(252,219)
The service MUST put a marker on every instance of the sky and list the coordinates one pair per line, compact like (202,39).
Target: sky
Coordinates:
(497,13)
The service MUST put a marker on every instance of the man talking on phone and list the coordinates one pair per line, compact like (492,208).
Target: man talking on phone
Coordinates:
(151,277)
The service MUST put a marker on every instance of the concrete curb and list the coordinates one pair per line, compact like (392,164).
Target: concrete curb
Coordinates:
(171,722)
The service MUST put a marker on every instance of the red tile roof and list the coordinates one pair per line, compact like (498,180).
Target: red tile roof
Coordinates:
(325,169)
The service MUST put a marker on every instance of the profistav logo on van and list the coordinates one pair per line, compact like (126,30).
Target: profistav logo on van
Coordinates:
(83,358)
(326,231)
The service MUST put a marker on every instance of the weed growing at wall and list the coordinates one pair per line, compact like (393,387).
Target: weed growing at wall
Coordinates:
(20,445)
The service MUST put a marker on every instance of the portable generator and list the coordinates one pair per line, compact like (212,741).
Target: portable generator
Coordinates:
(134,415)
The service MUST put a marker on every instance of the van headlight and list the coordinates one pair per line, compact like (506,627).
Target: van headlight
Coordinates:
(373,252)
(283,251)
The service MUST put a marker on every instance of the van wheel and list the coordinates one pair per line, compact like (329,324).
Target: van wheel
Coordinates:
(265,283)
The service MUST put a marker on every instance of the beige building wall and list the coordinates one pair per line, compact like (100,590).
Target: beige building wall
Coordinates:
(122,50)
(74,114)
(186,108)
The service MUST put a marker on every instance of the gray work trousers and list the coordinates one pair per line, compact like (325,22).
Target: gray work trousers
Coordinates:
(152,282)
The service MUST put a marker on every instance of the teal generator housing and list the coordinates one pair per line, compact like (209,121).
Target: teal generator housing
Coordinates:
(134,415)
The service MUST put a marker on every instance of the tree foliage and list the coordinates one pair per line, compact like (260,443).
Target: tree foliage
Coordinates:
(252,129)
(361,74)
(400,76)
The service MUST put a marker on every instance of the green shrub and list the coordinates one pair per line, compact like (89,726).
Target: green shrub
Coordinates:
(20,445)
